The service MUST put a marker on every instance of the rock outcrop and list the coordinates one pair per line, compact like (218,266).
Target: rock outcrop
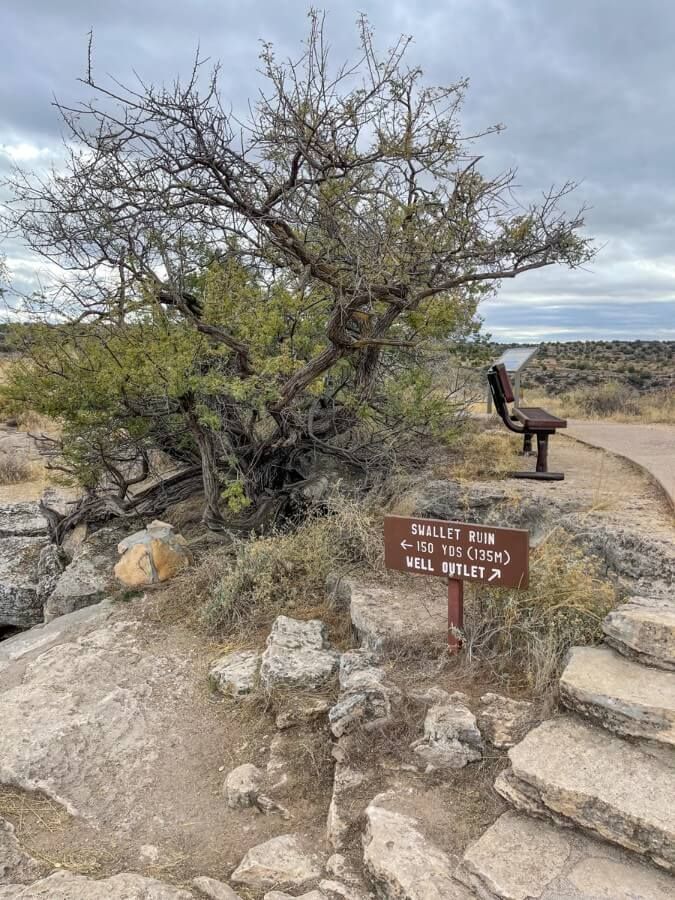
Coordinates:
(403,863)
(87,579)
(386,617)
(297,656)
(619,694)
(451,736)
(68,886)
(644,629)
(520,858)
(236,674)
(20,603)
(503,721)
(152,555)
(619,792)
(282,862)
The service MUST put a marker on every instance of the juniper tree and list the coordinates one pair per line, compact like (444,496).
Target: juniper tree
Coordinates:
(251,292)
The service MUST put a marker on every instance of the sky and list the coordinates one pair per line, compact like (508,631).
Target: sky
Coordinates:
(585,88)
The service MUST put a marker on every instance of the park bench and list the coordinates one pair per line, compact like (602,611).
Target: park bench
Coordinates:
(525,420)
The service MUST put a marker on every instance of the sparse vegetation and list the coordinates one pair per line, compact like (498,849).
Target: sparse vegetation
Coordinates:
(14,470)
(531,631)
(281,572)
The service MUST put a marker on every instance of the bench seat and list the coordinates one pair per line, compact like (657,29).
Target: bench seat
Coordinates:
(536,418)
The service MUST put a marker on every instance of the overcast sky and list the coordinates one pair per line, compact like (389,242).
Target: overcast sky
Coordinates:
(586,89)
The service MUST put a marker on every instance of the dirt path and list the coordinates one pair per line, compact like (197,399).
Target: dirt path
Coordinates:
(650,446)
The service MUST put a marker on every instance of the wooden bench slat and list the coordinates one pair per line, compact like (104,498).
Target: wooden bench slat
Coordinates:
(536,417)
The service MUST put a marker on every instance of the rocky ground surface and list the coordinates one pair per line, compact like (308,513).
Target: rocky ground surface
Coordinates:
(137,761)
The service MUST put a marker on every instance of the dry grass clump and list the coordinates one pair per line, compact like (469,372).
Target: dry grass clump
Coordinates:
(486,454)
(14,470)
(530,631)
(288,570)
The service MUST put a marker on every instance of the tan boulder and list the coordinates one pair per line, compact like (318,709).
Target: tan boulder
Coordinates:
(152,555)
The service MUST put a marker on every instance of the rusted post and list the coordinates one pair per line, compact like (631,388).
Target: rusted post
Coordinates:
(455,613)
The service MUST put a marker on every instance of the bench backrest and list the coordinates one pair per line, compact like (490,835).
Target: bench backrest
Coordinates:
(500,385)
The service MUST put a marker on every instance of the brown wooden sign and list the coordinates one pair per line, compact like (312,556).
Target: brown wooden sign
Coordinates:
(457,550)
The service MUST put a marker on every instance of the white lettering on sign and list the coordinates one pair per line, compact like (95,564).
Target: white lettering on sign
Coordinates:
(461,570)
(418,563)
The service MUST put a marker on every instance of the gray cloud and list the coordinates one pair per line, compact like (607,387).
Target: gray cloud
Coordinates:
(587,91)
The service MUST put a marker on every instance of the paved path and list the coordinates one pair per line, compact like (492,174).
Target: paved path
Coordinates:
(650,446)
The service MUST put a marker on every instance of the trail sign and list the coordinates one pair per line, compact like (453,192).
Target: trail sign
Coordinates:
(459,551)
(494,556)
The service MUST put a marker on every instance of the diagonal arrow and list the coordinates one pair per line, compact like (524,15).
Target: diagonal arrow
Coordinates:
(496,573)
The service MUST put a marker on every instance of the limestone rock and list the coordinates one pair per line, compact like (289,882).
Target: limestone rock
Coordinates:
(152,555)
(67,886)
(519,858)
(355,661)
(87,579)
(387,617)
(503,721)
(346,806)
(365,701)
(336,890)
(213,889)
(242,786)
(620,694)
(20,605)
(50,566)
(15,864)
(297,656)
(22,520)
(577,774)
(451,736)
(644,628)
(236,673)
(280,895)
(282,862)
(403,863)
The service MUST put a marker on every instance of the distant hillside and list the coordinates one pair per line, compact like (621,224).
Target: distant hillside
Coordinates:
(561,367)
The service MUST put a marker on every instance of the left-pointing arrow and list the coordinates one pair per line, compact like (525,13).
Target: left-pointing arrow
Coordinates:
(406,545)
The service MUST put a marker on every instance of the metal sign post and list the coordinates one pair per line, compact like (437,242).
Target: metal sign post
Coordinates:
(460,551)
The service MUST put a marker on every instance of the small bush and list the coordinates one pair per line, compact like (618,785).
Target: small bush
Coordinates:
(608,399)
(530,631)
(288,570)
(14,470)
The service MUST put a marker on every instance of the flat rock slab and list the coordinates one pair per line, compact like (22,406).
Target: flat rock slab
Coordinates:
(22,520)
(575,773)
(403,863)
(20,605)
(67,886)
(396,616)
(519,858)
(644,629)
(297,655)
(282,862)
(620,694)
(236,674)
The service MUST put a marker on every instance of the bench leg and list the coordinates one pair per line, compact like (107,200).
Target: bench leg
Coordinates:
(541,472)
(527,444)
(542,453)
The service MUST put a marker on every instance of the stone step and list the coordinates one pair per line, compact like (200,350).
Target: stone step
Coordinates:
(519,857)
(620,694)
(644,629)
(575,773)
